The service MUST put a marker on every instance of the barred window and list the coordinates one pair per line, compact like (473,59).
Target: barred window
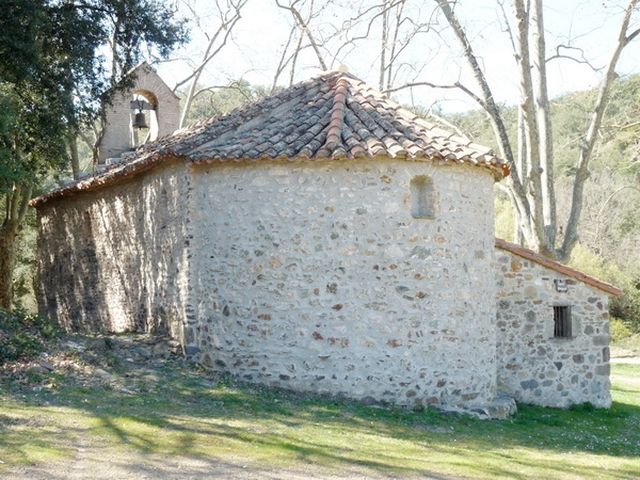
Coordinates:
(562,321)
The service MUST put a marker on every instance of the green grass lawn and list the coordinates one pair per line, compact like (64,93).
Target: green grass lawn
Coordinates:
(629,345)
(183,412)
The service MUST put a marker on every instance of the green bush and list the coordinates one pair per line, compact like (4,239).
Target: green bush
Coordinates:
(625,308)
(619,330)
(23,335)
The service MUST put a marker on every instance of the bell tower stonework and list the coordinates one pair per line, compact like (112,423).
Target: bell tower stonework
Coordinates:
(145,111)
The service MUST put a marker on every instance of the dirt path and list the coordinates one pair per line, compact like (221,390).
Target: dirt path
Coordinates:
(94,464)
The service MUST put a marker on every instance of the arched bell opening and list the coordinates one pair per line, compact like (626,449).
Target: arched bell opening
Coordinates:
(143,123)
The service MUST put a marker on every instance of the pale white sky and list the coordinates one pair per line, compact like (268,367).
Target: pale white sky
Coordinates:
(262,32)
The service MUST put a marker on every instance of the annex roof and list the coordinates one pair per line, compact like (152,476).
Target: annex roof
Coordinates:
(331,116)
(558,267)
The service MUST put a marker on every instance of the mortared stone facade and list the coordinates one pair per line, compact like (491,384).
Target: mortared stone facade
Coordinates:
(325,240)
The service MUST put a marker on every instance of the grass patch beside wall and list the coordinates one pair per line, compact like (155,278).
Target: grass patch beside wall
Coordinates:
(174,410)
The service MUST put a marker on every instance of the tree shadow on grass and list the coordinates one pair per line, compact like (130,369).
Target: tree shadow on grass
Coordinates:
(188,414)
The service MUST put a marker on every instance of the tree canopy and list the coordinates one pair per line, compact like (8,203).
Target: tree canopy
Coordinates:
(60,60)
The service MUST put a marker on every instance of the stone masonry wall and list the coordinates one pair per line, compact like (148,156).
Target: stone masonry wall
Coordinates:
(535,367)
(314,276)
(114,259)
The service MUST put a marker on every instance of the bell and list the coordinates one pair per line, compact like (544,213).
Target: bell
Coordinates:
(140,121)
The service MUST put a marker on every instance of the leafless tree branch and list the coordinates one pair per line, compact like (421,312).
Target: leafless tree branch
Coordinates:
(232,86)
(586,148)
(228,19)
(581,59)
(303,26)
(456,85)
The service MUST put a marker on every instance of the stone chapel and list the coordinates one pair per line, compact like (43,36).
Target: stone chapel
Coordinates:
(325,239)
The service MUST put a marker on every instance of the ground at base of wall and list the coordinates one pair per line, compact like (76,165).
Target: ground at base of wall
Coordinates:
(82,412)
(501,408)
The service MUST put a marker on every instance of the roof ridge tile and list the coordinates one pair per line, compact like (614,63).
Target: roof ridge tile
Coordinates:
(334,131)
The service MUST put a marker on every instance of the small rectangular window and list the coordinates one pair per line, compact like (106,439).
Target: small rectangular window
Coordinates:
(422,204)
(562,321)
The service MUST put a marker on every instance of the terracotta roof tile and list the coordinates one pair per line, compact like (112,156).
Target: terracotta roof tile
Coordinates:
(334,115)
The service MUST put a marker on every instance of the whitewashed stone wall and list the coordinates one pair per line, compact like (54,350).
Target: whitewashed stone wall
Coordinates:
(314,276)
(114,259)
(535,367)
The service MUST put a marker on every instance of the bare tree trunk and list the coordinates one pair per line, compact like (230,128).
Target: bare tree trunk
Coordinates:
(294,61)
(531,183)
(283,59)
(518,237)
(394,43)
(304,27)
(589,140)
(16,208)
(543,114)
(383,44)
(72,143)
(522,149)
(521,160)
(8,234)
(531,133)
(228,21)
(487,102)
(189,99)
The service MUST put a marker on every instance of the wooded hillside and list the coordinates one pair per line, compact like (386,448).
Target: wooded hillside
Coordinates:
(611,224)
(609,229)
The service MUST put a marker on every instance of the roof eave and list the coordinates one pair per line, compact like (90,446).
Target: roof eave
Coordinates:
(124,172)
(558,267)
(115,175)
